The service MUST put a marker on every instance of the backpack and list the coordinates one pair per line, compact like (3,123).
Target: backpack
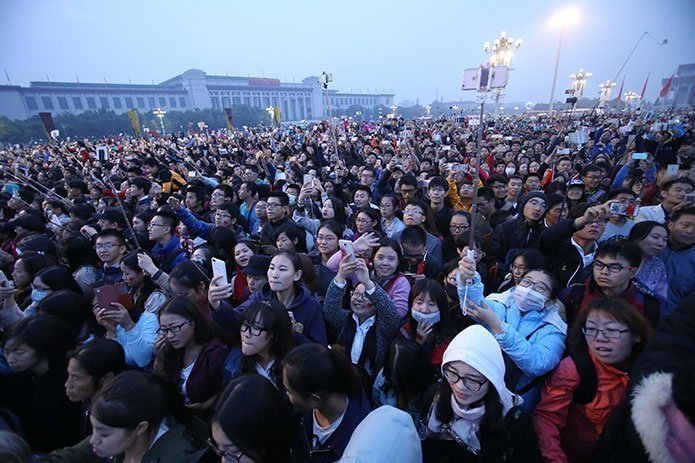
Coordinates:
(588,377)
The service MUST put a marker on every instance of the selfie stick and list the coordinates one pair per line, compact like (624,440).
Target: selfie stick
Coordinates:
(120,204)
(327,77)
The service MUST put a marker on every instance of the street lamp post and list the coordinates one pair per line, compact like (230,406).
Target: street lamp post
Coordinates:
(159,112)
(271,113)
(605,94)
(428,108)
(563,19)
(502,51)
(393,110)
(579,81)
(529,105)
(630,97)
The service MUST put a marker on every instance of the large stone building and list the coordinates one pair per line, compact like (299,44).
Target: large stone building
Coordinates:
(193,89)
(682,91)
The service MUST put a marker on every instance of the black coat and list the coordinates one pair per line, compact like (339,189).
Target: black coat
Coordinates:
(516,234)
(563,257)
(517,443)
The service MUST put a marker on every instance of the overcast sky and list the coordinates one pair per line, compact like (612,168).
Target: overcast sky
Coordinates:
(416,48)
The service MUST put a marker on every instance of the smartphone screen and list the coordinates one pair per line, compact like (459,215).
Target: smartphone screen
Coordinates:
(219,269)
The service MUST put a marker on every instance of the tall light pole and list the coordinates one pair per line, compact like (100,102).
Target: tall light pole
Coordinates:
(271,113)
(428,108)
(563,19)
(630,97)
(502,50)
(393,110)
(579,81)
(160,113)
(605,94)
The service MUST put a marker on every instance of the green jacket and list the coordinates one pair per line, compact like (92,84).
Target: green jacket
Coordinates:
(179,444)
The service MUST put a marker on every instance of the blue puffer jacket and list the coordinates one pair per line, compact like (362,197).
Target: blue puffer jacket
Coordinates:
(534,341)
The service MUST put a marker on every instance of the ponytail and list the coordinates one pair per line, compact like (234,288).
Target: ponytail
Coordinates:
(315,369)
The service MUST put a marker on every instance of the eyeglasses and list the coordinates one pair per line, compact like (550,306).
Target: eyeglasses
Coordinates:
(173,329)
(253,329)
(519,268)
(105,246)
(459,227)
(609,333)
(150,225)
(538,286)
(363,221)
(273,205)
(223,454)
(359,295)
(612,268)
(412,212)
(468,383)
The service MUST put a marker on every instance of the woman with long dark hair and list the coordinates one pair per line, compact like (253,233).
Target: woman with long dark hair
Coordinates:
(252,423)
(147,297)
(651,277)
(473,416)
(323,384)
(266,337)
(78,253)
(189,353)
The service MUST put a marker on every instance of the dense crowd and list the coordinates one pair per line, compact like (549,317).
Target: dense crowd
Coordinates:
(369,292)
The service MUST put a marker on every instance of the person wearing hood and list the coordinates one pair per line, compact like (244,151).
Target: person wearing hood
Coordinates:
(525,321)
(472,416)
(284,277)
(524,231)
(386,434)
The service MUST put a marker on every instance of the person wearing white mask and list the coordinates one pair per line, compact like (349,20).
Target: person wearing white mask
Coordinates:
(473,416)
(524,320)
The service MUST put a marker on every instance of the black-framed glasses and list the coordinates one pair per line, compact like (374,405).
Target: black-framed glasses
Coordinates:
(609,333)
(536,285)
(469,383)
(253,329)
(173,329)
(273,205)
(612,268)
(223,454)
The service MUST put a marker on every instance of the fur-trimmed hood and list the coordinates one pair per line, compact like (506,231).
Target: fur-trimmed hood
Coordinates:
(648,401)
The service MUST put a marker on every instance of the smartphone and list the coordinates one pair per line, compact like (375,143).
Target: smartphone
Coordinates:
(562,151)
(689,198)
(461,168)
(346,248)
(105,295)
(446,148)
(624,209)
(308,178)
(219,269)
(672,170)
(639,156)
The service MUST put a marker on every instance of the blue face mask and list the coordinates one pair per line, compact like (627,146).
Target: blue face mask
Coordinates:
(431,318)
(38,295)
(293,199)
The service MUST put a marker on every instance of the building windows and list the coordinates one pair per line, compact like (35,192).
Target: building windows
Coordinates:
(77,102)
(172,101)
(129,102)
(162,101)
(150,102)
(104,102)
(236,100)
(63,102)
(47,102)
(117,102)
(182,101)
(91,102)
(256,101)
(225,102)
(247,101)
(141,102)
(266,101)
(31,102)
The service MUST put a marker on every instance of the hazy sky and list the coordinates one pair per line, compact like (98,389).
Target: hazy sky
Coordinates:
(416,48)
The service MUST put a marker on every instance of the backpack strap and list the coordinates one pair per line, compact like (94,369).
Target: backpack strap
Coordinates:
(588,377)
(514,373)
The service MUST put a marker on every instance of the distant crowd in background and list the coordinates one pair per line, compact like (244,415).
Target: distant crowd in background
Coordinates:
(347,292)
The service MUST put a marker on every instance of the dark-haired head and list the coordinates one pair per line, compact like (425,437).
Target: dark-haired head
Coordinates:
(58,277)
(92,365)
(71,308)
(313,372)
(37,344)
(191,280)
(251,417)
(27,266)
(407,371)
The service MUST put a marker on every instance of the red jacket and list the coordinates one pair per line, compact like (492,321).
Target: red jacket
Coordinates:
(567,431)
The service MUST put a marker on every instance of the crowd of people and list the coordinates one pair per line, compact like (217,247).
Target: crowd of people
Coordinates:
(364,292)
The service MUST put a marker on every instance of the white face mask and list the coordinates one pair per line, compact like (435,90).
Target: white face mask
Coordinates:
(528,300)
(430,318)
(510,171)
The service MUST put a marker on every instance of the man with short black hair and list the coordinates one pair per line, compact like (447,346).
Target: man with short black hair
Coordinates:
(679,256)
(415,214)
(515,188)
(618,225)
(418,262)
(138,191)
(532,182)
(167,251)
(616,263)
(437,191)
(195,201)
(498,184)
(278,210)
(521,233)
(110,248)
(247,195)
(673,193)
(591,176)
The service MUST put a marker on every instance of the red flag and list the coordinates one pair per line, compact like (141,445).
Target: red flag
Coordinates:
(664,90)
(620,92)
(644,89)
